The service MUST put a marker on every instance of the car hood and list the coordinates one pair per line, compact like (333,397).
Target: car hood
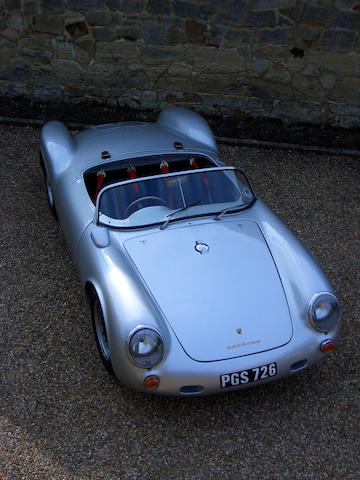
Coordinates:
(217,285)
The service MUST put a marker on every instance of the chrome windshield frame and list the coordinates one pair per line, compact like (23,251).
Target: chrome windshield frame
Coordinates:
(167,175)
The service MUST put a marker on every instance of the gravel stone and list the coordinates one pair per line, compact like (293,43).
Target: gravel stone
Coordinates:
(63,417)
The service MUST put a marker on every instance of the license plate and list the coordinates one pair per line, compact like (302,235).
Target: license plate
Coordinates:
(248,376)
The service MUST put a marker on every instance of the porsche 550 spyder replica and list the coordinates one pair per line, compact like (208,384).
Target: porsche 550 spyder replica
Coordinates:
(195,286)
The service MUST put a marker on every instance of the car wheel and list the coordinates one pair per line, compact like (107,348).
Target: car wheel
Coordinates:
(49,193)
(100,332)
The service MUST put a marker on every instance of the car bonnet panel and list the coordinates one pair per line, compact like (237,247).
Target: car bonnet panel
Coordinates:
(217,285)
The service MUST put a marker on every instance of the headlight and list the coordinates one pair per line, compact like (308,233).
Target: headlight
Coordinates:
(324,311)
(146,348)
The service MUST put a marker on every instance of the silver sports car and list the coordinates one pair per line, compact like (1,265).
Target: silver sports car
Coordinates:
(194,285)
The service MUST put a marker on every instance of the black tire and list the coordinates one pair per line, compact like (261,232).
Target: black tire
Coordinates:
(99,327)
(49,194)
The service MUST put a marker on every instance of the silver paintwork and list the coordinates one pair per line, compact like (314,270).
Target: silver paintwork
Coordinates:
(256,277)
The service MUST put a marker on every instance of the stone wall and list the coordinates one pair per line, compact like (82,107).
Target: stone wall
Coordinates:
(295,60)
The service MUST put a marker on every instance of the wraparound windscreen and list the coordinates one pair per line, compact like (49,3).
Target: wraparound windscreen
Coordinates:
(152,200)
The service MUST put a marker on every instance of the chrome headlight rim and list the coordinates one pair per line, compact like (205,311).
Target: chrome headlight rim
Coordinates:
(311,314)
(128,343)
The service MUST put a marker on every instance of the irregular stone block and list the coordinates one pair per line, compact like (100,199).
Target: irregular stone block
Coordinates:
(82,57)
(104,34)
(293,14)
(67,72)
(74,91)
(316,15)
(274,91)
(12,4)
(279,35)
(216,83)
(158,7)
(102,18)
(184,98)
(234,37)
(232,12)
(214,35)
(215,61)
(31,7)
(348,20)
(132,6)
(19,69)
(173,83)
(85,4)
(55,6)
(345,4)
(283,20)
(338,38)
(258,65)
(345,122)
(44,75)
(278,73)
(105,75)
(261,18)
(327,80)
(2,19)
(258,4)
(63,51)
(346,91)
(137,79)
(180,69)
(148,99)
(154,34)
(200,11)
(195,32)
(119,50)
(13,90)
(48,92)
(129,30)
(87,44)
(16,22)
(113,4)
(295,112)
(175,36)
(47,23)
(341,63)
(36,47)
(307,87)
(341,109)
(254,105)
(152,55)
(7,52)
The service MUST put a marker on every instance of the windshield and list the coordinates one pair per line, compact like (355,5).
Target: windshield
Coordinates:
(165,198)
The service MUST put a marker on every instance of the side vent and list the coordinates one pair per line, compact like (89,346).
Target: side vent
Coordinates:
(191,390)
(295,367)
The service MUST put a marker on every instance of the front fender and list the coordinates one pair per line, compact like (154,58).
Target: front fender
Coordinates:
(299,271)
(124,297)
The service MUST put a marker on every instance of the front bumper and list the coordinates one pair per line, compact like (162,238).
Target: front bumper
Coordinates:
(181,376)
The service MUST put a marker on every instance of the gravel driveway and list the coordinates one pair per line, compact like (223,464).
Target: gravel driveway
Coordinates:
(64,417)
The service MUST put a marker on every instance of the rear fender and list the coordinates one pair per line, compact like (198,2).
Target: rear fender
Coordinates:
(187,124)
(57,148)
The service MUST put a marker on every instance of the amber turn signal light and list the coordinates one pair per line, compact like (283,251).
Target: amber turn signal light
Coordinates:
(151,382)
(327,346)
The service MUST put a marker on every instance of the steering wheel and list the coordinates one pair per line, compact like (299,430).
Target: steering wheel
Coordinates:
(148,197)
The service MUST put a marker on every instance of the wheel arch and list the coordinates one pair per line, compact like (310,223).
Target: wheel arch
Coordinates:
(92,290)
